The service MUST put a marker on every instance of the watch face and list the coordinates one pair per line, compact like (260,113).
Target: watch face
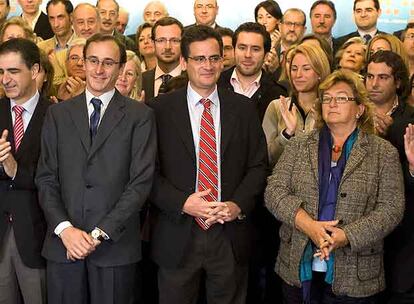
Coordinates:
(95,234)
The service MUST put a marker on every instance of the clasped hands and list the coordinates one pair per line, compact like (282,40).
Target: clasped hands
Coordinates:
(78,243)
(324,234)
(211,212)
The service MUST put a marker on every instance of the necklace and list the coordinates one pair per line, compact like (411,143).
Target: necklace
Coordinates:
(336,149)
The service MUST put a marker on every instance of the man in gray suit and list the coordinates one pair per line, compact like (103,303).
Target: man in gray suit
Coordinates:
(94,174)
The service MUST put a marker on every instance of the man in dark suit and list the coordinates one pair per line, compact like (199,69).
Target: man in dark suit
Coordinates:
(366,14)
(95,172)
(166,34)
(211,172)
(251,43)
(205,13)
(36,19)
(22,225)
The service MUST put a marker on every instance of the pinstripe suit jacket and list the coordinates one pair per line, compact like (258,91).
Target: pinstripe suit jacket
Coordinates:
(370,204)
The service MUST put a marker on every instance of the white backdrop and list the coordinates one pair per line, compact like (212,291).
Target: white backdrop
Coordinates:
(395,13)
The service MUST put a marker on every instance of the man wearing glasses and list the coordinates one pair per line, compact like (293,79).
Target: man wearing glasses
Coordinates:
(292,28)
(94,174)
(211,173)
(166,34)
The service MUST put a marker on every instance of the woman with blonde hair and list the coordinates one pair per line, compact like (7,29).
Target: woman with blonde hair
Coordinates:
(338,191)
(351,55)
(16,27)
(286,117)
(386,42)
(129,82)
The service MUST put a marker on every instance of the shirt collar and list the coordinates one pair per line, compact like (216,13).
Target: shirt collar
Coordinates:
(105,97)
(29,105)
(371,33)
(56,42)
(394,106)
(235,77)
(195,98)
(173,73)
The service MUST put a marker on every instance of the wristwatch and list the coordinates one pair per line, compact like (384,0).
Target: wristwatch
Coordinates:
(98,235)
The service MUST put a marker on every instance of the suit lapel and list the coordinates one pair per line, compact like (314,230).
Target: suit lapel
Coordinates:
(313,150)
(35,125)
(79,114)
(227,119)
(6,119)
(358,153)
(182,122)
(112,116)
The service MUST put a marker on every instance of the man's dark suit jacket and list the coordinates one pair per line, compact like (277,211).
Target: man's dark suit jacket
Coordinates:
(43,28)
(243,173)
(216,27)
(338,42)
(148,78)
(18,197)
(401,241)
(103,184)
(269,90)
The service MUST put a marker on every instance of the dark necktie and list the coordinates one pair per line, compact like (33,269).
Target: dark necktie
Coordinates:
(96,115)
(18,128)
(207,158)
(367,38)
(163,87)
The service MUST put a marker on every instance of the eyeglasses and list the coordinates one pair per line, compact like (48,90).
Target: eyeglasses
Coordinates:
(203,59)
(326,99)
(163,40)
(292,24)
(75,58)
(208,6)
(106,63)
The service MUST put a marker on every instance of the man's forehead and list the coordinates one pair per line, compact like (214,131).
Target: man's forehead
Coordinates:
(365,4)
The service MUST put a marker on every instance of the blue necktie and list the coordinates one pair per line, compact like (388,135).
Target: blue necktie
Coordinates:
(96,115)
(367,38)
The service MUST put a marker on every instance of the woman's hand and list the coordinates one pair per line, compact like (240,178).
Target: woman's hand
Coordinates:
(289,116)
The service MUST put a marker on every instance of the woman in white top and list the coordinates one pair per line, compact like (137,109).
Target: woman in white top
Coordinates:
(286,117)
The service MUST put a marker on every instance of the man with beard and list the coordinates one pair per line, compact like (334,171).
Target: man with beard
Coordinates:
(251,43)
(292,27)
(166,34)
(109,12)
(59,13)
(387,84)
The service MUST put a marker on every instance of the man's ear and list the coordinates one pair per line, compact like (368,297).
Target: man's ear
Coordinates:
(35,70)
(183,63)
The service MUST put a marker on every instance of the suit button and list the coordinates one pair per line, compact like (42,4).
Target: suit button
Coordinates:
(343,194)
(89,186)
(10,186)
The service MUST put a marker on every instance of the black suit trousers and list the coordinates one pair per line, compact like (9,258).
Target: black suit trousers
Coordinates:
(209,259)
(82,282)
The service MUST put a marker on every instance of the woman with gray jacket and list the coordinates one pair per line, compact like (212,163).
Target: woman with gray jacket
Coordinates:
(338,191)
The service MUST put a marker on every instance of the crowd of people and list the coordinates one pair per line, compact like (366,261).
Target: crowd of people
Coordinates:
(197,164)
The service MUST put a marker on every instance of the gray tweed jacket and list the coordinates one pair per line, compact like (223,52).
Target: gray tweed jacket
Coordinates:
(370,204)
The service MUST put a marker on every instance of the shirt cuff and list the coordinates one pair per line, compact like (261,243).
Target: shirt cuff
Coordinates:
(62,226)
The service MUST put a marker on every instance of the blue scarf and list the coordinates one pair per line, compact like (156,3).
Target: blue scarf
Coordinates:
(329,180)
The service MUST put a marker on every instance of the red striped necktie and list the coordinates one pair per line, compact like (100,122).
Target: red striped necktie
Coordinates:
(207,161)
(18,129)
